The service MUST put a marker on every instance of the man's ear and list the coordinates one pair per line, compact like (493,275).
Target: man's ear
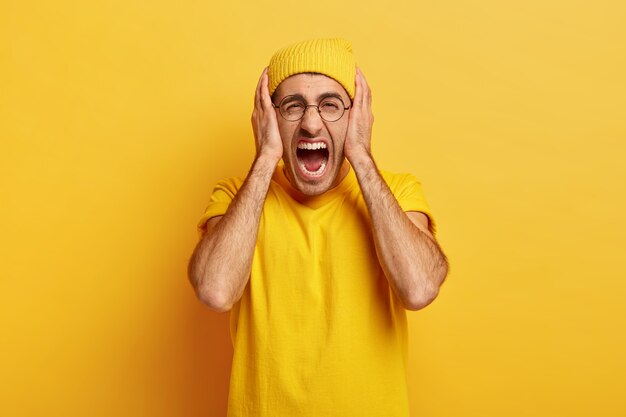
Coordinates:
(275,94)
(348,95)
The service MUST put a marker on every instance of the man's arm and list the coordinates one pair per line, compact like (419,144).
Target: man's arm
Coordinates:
(220,265)
(412,260)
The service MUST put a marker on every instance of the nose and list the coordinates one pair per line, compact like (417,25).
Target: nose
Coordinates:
(312,121)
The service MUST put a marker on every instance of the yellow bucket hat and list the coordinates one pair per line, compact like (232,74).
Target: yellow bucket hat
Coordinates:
(331,57)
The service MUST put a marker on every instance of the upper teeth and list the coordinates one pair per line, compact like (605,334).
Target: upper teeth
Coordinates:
(308,145)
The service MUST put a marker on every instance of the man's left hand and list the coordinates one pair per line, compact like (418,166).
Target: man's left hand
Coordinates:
(359,135)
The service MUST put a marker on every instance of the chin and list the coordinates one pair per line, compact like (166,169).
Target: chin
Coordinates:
(311,185)
(313,190)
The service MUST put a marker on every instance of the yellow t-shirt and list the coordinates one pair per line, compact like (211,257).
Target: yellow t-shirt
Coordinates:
(318,331)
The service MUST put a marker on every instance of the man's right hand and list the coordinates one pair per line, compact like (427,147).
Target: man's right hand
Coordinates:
(220,266)
(265,123)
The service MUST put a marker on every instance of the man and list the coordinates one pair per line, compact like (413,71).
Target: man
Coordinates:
(317,254)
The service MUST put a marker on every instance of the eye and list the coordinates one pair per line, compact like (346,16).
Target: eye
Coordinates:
(330,105)
(293,106)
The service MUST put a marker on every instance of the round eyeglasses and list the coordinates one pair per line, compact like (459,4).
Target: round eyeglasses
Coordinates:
(292,108)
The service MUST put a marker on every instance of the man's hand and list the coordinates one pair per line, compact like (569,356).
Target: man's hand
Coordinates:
(359,135)
(413,262)
(264,123)
(219,268)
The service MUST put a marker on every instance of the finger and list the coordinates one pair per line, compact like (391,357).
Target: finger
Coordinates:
(257,94)
(367,92)
(358,93)
(266,100)
(364,90)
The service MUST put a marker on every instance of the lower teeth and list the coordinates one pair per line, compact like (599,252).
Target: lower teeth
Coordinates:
(319,171)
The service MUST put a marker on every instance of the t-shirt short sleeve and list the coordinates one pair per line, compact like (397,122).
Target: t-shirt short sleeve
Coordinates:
(408,191)
(221,197)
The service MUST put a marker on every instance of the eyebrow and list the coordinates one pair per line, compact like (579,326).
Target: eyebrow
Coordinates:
(321,97)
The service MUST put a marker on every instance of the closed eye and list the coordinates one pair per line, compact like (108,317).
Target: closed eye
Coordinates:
(293,106)
(330,105)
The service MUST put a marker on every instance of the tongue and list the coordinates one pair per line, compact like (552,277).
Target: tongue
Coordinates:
(312,159)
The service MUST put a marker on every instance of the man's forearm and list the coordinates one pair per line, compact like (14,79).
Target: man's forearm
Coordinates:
(413,262)
(220,265)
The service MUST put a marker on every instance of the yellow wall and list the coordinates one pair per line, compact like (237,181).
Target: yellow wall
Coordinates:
(117,117)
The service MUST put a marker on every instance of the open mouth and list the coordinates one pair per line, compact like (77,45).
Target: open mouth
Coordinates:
(312,158)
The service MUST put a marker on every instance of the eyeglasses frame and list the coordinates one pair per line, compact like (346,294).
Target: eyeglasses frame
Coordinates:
(306,107)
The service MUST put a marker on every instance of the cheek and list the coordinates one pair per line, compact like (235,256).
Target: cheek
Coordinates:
(286,133)
(339,134)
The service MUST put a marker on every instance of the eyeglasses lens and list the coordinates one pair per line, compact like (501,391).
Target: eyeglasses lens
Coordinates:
(330,109)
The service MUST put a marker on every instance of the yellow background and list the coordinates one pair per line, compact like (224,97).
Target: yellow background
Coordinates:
(117,118)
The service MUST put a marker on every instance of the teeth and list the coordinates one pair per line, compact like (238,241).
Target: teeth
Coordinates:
(317,173)
(311,146)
